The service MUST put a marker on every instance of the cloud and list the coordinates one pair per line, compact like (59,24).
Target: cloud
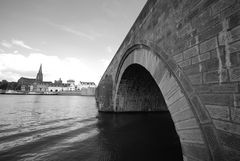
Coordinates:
(15,51)
(1,50)
(74,31)
(21,44)
(6,44)
(18,43)
(13,66)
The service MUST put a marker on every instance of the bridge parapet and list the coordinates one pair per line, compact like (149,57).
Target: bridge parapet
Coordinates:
(191,49)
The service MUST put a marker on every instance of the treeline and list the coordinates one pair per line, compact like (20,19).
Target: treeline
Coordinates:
(5,85)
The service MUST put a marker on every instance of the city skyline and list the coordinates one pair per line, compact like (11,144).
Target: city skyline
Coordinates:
(71,39)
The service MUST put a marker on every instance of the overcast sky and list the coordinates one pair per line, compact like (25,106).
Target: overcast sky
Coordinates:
(72,39)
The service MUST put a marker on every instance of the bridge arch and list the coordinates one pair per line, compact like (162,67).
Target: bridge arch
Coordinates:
(192,122)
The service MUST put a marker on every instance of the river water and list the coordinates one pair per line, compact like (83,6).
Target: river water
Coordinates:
(69,128)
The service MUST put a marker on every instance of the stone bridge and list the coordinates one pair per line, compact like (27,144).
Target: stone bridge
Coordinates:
(182,56)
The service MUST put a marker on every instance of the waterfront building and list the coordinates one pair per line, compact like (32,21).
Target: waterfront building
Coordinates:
(71,84)
(34,85)
(58,88)
(86,85)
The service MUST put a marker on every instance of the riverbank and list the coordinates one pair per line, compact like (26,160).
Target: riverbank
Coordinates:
(63,93)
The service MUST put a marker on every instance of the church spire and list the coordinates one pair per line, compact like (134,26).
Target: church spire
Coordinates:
(39,77)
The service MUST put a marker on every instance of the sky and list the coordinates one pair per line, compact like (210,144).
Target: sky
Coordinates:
(72,39)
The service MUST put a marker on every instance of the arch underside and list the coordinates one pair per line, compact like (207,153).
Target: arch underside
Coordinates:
(168,94)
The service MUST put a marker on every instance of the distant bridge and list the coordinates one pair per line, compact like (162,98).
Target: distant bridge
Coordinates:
(183,56)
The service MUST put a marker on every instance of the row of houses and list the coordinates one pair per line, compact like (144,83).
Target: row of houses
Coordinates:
(39,86)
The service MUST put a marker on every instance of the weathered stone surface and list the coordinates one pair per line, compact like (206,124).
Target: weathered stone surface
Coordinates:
(235,74)
(191,136)
(234,20)
(232,154)
(221,5)
(235,114)
(178,106)
(225,88)
(183,115)
(229,140)
(218,112)
(196,151)
(185,63)
(236,100)
(178,57)
(190,52)
(196,45)
(210,32)
(187,124)
(202,88)
(217,99)
(208,45)
(195,68)
(215,76)
(227,126)
(196,78)
(235,33)
(234,47)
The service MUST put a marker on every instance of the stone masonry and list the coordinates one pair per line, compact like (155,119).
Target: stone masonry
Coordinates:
(191,49)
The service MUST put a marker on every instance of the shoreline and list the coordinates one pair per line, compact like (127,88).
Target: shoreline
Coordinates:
(46,94)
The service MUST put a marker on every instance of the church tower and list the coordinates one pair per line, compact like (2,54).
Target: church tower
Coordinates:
(39,77)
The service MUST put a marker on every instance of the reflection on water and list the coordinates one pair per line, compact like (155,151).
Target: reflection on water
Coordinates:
(70,128)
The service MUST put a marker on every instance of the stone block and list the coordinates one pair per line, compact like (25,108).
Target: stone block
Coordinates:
(234,20)
(235,33)
(236,98)
(187,124)
(230,10)
(196,78)
(234,74)
(191,136)
(202,88)
(195,60)
(235,114)
(178,57)
(225,88)
(201,58)
(177,95)
(183,115)
(218,112)
(190,52)
(234,47)
(210,65)
(208,45)
(215,76)
(178,106)
(193,69)
(210,32)
(227,126)
(235,59)
(220,50)
(221,5)
(159,72)
(232,154)
(202,19)
(185,63)
(204,56)
(217,99)
(197,151)
(208,3)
